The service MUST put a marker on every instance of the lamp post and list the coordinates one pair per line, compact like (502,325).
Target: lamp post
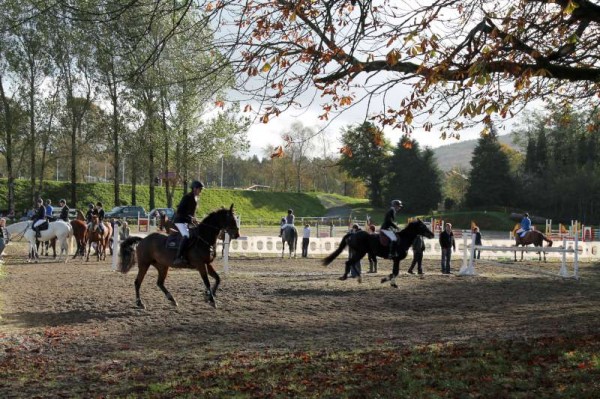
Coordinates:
(222,157)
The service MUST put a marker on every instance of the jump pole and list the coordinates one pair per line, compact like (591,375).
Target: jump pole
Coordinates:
(226,253)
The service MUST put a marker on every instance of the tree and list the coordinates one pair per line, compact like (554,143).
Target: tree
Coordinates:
(413,177)
(490,181)
(365,154)
(299,144)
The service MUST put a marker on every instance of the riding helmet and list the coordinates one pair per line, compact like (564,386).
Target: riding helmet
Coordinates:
(397,203)
(62,201)
(290,211)
(40,201)
(90,205)
(197,184)
(99,204)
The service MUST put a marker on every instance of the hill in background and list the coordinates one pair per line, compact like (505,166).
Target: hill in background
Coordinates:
(459,154)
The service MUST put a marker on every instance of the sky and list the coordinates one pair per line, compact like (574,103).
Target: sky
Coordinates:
(261,135)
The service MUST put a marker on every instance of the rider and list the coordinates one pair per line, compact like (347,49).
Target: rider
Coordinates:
(39,217)
(388,223)
(525,225)
(49,210)
(64,210)
(100,213)
(88,215)
(186,213)
(287,221)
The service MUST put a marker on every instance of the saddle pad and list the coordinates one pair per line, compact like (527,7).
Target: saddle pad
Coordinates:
(44,226)
(383,239)
(172,241)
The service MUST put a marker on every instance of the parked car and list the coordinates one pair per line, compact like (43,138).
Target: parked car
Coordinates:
(170,212)
(122,212)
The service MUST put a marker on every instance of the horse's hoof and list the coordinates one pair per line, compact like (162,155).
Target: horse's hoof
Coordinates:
(394,285)
(140,305)
(359,279)
(343,278)
(384,280)
(213,304)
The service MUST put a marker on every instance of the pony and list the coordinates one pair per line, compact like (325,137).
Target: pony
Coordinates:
(363,242)
(101,238)
(60,230)
(153,250)
(534,237)
(289,235)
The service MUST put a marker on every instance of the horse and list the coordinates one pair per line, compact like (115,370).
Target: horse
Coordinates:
(60,230)
(154,250)
(363,242)
(80,233)
(534,237)
(101,238)
(289,235)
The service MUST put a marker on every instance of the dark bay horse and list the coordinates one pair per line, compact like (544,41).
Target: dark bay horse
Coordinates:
(534,237)
(363,242)
(199,254)
(289,235)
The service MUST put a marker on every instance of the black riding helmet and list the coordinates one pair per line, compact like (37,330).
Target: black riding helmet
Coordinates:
(90,205)
(397,203)
(197,184)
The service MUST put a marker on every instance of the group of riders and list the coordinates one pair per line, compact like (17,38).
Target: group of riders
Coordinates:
(45,213)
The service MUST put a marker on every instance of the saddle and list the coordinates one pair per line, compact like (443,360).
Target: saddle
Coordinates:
(43,226)
(173,240)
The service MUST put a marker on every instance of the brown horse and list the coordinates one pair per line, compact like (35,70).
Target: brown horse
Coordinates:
(101,238)
(534,237)
(153,251)
(80,234)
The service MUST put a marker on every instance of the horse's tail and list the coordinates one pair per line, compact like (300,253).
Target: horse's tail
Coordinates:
(127,254)
(337,252)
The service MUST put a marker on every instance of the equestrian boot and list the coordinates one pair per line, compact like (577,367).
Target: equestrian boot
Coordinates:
(179,260)
(38,233)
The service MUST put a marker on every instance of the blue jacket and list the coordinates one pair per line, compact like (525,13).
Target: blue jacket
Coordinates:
(526,224)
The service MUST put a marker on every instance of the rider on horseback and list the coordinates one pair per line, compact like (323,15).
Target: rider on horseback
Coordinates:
(388,223)
(186,213)
(525,225)
(64,211)
(88,215)
(100,213)
(287,221)
(39,217)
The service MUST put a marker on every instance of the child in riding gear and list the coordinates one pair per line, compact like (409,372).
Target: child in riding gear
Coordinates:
(49,210)
(388,223)
(186,213)
(287,221)
(89,214)
(64,211)
(525,225)
(39,217)
(100,213)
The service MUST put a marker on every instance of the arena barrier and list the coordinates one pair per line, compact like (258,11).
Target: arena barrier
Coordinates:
(571,248)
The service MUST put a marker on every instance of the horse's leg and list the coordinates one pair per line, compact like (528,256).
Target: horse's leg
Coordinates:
(162,276)
(87,257)
(211,271)
(142,270)
(208,293)
(283,249)
(53,243)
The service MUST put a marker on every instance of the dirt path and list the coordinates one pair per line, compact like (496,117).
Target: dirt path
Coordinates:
(82,313)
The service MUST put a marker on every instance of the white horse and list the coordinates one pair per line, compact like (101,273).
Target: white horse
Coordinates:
(59,229)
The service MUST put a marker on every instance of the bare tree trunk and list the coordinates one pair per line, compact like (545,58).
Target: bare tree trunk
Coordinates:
(133,185)
(151,176)
(8,150)
(116,155)
(32,137)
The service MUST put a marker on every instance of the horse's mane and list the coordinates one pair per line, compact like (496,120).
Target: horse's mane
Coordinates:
(214,214)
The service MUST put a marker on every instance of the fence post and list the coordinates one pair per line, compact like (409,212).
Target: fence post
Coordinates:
(563,267)
(226,253)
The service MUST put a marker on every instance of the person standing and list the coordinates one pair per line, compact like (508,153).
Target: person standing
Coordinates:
(356,268)
(124,233)
(39,217)
(448,244)
(305,240)
(388,223)
(64,211)
(418,247)
(4,237)
(372,257)
(477,241)
(49,210)
(185,214)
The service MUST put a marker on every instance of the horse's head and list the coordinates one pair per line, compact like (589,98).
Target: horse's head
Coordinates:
(224,219)
(421,228)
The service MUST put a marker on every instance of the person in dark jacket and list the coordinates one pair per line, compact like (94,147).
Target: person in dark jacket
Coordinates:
(372,257)
(418,247)
(100,213)
(477,234)
(448,244)
(90,212)
(185,214)
(39,217)
(388,224)
(64,211)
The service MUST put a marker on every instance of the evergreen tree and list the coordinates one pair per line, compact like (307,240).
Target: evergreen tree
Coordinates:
(364,156)
(490,179)
(414,177)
